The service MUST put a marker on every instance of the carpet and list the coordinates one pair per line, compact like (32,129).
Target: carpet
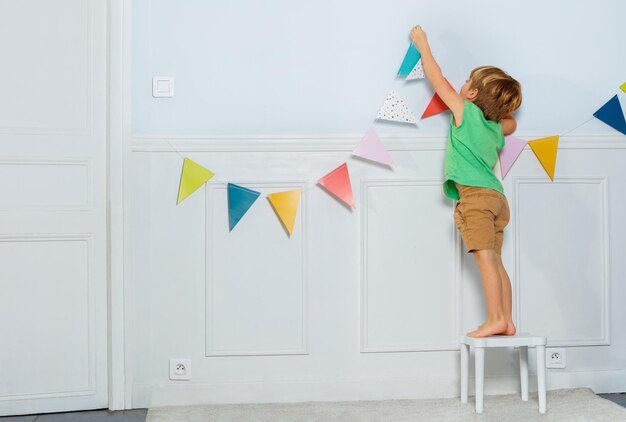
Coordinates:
(570,405)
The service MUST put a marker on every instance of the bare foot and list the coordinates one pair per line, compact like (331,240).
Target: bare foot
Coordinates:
(490,329)
(510,329)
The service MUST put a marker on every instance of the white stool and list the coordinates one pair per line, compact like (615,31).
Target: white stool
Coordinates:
(521,340)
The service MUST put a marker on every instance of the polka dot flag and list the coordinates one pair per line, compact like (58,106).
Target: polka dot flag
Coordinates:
(396,110)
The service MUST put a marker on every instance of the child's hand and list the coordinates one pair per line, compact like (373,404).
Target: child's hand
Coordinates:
(508,124)
(418,35)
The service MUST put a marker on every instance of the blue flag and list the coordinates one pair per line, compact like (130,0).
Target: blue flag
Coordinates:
(411,58)
(611,113)
(240,199)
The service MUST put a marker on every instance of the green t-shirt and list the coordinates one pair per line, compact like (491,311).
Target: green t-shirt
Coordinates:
(472,152)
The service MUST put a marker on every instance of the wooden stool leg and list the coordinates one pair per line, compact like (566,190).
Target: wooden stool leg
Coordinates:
(523,371)
(464,371)
(479,369)
(541,377)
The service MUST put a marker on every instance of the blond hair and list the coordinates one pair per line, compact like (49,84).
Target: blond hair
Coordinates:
(498,93)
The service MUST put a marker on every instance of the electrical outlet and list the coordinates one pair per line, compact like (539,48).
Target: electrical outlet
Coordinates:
(180,369)
(555,357)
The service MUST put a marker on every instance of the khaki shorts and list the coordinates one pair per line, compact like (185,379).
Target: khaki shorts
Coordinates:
(481,214)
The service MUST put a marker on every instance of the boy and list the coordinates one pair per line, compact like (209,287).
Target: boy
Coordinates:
(481,117)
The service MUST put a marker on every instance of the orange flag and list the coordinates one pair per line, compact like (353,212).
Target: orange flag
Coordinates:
(337,182)
(285,204)
(436,105)
(545,150)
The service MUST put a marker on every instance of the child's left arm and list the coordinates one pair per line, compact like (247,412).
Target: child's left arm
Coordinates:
(508,124)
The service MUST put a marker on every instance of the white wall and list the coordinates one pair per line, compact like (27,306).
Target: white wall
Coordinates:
(285,67)
(362,304)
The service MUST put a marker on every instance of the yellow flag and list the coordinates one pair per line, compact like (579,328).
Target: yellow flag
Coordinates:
(286,206)
(545,150)
(192,177)
(623,87)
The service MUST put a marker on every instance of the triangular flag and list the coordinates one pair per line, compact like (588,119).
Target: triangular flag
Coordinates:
(396,110)
(512,149)
(545,150)
(372,148)
(286,206)
(611,113)
(192,177)
(436,105)
(240,200)
(411,58)
(417,72)
(337,182)
(623,87)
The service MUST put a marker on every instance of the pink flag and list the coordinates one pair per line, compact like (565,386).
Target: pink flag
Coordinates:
(337,182)
(513,147)
(372,148)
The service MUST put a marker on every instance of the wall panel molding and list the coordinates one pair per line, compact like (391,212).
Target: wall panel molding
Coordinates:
(211,245)
(88,240)
(602,184)
(85,203)
(455,299)
(336,142)
(86,128)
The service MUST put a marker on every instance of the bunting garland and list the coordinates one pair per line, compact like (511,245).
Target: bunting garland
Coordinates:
(240,200)
(372,148)
(337,182)
(545,150)
(192,177)
(512,149)
(611,113)
(436,105)
(417,72)
(411,58)
(394,108)
(286,206)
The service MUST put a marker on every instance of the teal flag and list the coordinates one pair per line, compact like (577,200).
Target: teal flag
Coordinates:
(611,113)
(411,58)
(240,200)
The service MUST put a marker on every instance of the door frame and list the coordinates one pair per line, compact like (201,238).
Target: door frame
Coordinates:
(119,29)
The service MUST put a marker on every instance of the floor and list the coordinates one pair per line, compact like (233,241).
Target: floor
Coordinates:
(139,415)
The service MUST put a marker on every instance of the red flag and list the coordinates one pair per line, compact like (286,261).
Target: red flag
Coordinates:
(337,182)
(436,105)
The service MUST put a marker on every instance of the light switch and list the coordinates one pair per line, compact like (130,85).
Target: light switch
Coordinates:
(162,86)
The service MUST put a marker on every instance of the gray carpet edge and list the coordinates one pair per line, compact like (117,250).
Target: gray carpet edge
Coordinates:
(568,404)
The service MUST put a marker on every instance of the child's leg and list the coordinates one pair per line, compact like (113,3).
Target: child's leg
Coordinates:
(507,298)
(489,263)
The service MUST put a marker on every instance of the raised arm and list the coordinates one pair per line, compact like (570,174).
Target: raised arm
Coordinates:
(508,124)
(433,72)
